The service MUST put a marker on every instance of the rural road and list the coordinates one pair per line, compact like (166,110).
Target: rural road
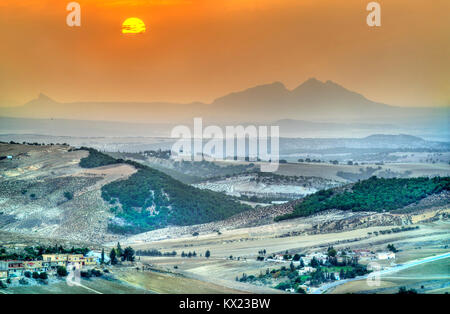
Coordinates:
(397,268)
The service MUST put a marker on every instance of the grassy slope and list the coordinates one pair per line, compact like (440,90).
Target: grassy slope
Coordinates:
(172,201)
(374,194)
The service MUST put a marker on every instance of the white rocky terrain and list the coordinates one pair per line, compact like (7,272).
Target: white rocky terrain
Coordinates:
(33,189)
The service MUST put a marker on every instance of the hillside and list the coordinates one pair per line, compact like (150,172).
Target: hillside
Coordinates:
(374,194)
(151,199)
(44,192)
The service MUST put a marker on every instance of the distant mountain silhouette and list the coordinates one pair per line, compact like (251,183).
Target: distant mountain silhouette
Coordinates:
(313,100)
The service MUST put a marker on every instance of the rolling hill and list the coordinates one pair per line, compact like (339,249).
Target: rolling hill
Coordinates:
(373,194)
(57,191)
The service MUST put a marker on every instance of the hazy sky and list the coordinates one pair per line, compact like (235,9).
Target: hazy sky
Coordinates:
(202,49)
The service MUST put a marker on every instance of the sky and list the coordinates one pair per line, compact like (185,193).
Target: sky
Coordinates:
(198,50)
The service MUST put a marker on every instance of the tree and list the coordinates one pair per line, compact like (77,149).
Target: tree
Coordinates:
(392,248)
(314,262)
(112,256)
(291,266)
(102,257)
(61,271)
(35,275)
(403,290)
(68,195)
(43,276)
(119,250)
(207,254)
(331,252)
(128,254)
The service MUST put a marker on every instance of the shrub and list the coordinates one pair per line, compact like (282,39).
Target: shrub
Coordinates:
(96,273)
(68,195)
(43,276)
(85,274)
(61,271)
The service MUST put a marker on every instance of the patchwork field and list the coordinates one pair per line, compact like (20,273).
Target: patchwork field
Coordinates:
(243,245)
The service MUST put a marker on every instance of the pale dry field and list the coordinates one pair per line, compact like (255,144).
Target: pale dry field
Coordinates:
(245,243)
(170,283)
(328,171)
(432,277)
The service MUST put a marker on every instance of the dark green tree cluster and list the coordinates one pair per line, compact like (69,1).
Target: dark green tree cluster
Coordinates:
(374,194)
(154,252)
(96,159)
(175,202)
(124,255)
(404,291)
(189,254)
(61,271)
(392,248)
(68,195)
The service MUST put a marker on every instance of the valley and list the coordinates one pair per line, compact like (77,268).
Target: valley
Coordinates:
(48,197)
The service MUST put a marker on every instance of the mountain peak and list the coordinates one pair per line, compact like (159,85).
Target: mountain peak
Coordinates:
(43,97)
(313,80)
(260,93)
(310,84)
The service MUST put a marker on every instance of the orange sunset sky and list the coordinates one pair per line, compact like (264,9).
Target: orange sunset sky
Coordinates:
(197,50)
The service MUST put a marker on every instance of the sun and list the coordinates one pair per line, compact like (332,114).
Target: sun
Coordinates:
(133,25)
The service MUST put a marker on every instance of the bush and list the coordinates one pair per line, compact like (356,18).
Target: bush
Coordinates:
(403,290)
(27,274)
(35,275)
(96,272)
(43,276)
(85,274)
(68,195)
(284,285)
(61,271)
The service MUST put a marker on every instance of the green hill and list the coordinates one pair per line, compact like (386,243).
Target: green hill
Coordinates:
(373,194)
(150,199)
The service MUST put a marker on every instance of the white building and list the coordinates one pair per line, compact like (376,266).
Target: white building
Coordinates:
(386,255)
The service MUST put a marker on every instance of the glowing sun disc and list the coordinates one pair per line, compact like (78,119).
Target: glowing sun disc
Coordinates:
(133,25)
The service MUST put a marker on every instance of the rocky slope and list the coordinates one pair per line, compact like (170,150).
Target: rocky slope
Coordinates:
(44,193)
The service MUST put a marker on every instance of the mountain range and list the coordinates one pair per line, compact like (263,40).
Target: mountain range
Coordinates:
(313,100)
